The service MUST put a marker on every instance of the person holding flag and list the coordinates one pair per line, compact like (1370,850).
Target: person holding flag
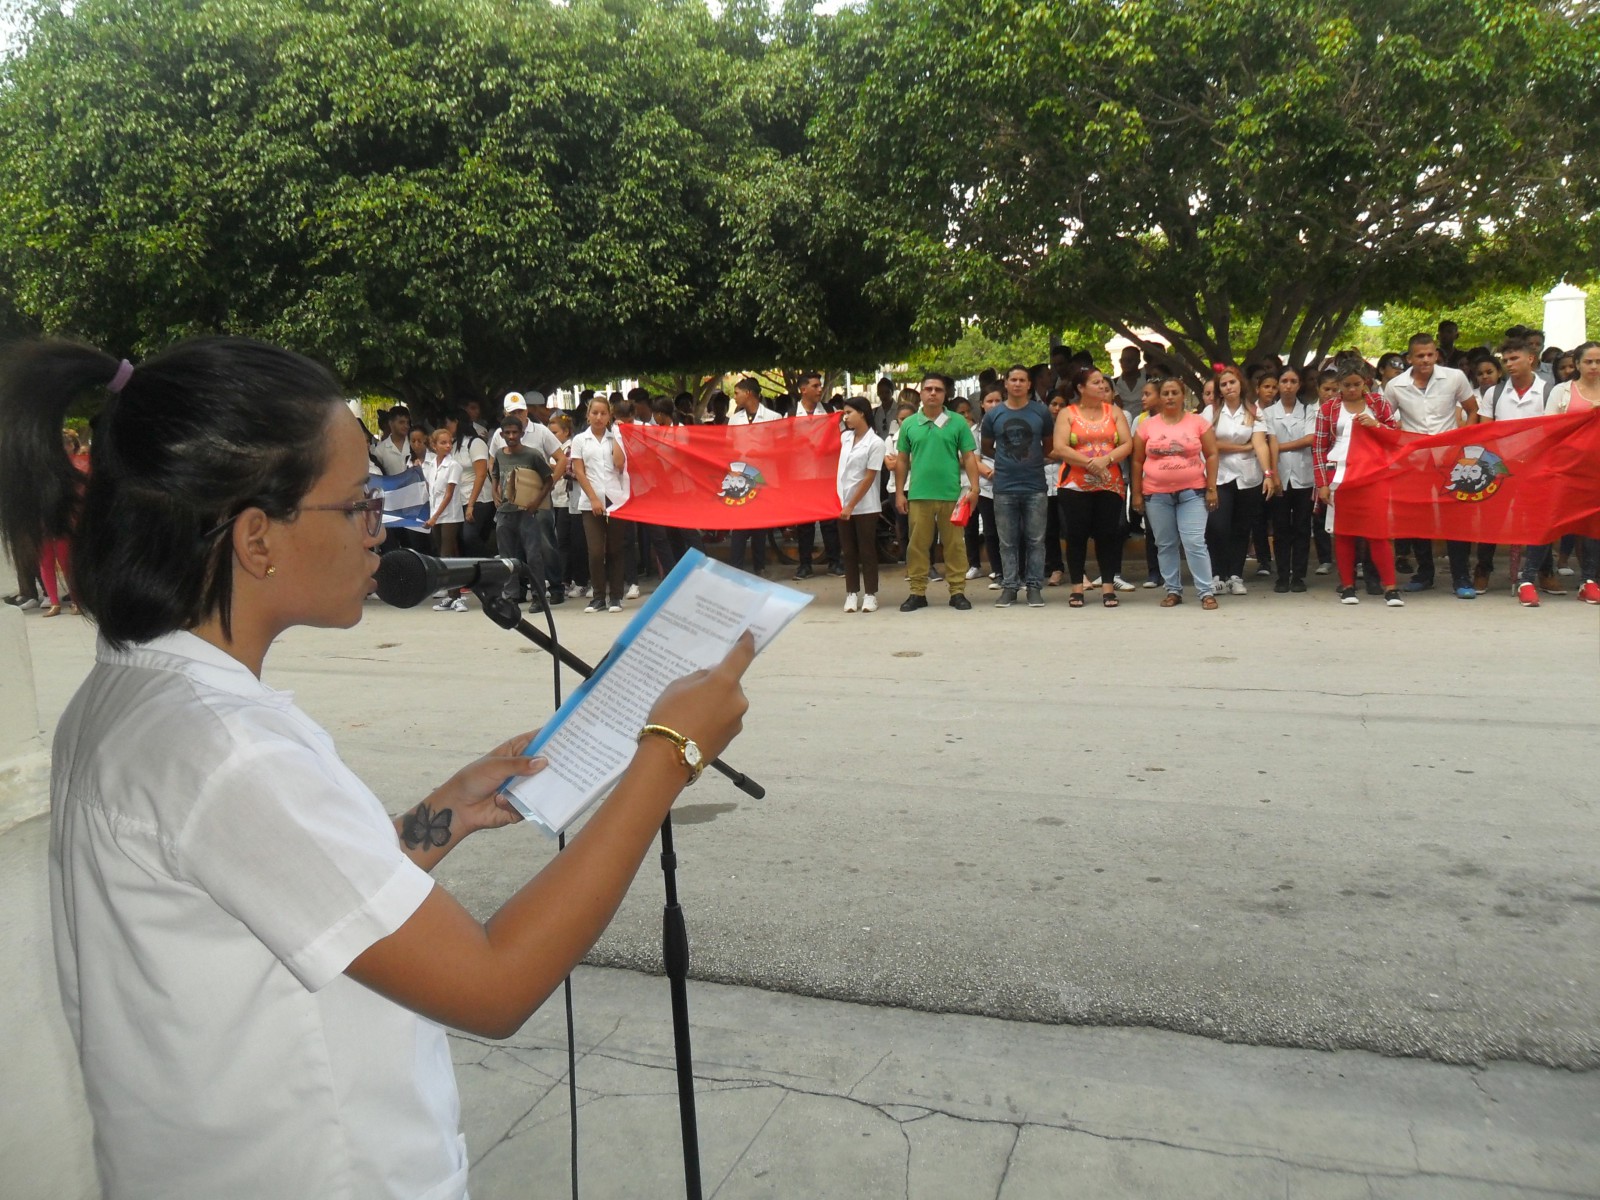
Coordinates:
(1429,398)
(1582,395)
(1330,450)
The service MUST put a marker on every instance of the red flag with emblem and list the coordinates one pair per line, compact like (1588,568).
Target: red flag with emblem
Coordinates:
(1508,482)
(732,476)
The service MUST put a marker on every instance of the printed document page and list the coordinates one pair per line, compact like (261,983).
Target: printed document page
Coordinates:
(687,625)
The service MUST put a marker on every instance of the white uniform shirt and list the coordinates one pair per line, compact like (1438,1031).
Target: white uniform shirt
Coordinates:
(739,417)
(391,458)
(1431,409)
(214,868)
(1294,466)
(474,452)
(857,460)
(1509,406)
(1242,469)
(440,474)
(595,454)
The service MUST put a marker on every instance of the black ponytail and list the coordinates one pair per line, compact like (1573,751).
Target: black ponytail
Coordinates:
(197,435)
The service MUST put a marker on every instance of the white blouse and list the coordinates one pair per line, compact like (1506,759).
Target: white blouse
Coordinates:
(859,457)
(1242,469)
(214,868)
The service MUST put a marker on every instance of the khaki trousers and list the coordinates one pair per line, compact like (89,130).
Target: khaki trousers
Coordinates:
(924,517)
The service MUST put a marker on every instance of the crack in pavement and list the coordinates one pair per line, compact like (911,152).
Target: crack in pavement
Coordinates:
(734,1166)
(922,1112)
(1248,1154)
(1011,1154)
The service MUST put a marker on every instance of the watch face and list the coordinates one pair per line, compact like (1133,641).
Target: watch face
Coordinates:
(691,755)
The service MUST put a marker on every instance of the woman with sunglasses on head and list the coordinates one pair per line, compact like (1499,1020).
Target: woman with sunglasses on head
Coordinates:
(254,961)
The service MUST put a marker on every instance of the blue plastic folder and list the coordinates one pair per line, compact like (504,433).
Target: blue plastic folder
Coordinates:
(688,624)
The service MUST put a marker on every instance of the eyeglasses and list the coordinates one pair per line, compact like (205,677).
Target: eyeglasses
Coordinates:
(371,503)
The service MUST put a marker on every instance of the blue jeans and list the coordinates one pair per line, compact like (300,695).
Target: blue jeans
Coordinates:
(1019,518)
(1179,519)
(516,535)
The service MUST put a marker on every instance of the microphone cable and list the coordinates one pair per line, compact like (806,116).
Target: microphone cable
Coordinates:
(540,591)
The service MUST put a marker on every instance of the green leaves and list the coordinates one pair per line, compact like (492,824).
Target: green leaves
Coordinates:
(437,198)
(1169,164)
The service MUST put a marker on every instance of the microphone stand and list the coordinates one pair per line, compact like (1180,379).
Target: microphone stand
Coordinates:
(675,937)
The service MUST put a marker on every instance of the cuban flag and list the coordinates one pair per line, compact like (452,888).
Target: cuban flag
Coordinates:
(405,499)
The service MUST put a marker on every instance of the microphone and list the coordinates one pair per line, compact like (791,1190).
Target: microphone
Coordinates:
(406,578)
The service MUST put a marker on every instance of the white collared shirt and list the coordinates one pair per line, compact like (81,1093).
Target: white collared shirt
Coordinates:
(214,868)
(1430,409)
(595,454)
(859,457)
(392,459)
(739,417)
(1244,468)
(1509,406)
(1294,466)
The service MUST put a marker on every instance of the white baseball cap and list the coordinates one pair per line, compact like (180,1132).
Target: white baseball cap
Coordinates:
(515,402)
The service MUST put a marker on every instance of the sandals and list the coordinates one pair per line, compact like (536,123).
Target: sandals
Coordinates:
(1075,600)
(1171,600)
(1208,602)
(53,610)
(1109,600)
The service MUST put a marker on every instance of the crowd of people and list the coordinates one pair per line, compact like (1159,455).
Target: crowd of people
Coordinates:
(1010,485)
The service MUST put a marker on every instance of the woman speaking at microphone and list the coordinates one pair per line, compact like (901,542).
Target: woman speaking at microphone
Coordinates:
(254,961)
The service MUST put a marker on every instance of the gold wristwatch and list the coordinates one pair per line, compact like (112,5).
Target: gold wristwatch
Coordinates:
(688,753)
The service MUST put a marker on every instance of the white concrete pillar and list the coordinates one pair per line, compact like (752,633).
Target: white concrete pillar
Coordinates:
(1566,323)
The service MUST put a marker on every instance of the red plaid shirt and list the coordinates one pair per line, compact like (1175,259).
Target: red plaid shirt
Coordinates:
(1328,431)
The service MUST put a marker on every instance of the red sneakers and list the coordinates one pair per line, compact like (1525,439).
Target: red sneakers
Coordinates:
(1589,593)
(1528,595)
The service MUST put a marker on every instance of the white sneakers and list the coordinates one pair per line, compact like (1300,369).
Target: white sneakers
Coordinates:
(972,572)
(448,605)
(632,593)
(855,603)
(1236,587)
(869,603)
(850,602)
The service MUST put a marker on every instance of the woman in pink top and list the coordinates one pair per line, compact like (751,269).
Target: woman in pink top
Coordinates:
(1175,486)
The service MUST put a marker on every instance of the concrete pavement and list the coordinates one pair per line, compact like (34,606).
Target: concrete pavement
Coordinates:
(1288,823)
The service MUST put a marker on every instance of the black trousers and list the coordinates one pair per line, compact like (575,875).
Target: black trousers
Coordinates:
(1459,555)
(1096,515)
(1291,525)
(805,541)
(1228,529)
(983,535)
(1052,538)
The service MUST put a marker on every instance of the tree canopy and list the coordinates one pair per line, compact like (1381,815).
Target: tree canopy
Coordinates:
(434,196)
(442,198)
(1179,166)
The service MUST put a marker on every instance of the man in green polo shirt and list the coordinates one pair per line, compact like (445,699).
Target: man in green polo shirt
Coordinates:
(935,447)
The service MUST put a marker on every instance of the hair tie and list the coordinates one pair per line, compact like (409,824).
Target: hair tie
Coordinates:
(120,379)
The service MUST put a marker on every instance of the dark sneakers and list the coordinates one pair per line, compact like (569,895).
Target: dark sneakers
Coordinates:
(1008,597)
(1035,598)
(959,601)
(912,603)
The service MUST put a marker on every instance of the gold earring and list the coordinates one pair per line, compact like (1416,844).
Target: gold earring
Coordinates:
(271,571)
